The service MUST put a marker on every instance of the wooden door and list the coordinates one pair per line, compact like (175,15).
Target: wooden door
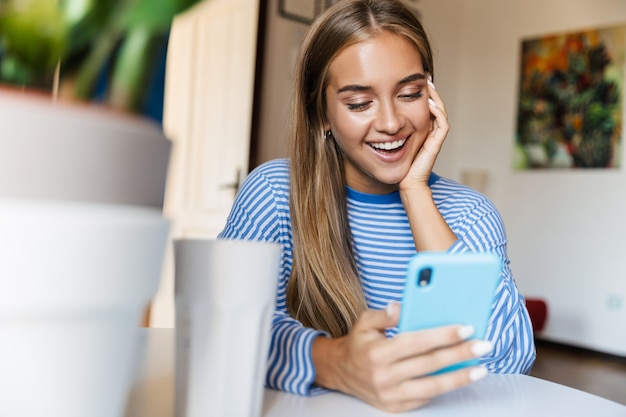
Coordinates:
(209,94)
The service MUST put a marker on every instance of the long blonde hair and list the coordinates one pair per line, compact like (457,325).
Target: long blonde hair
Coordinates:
(324,290)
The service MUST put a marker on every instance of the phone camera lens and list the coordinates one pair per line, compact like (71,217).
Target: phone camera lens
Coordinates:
(423,278)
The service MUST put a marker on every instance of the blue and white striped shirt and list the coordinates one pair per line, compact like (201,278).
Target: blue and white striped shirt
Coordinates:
(383,244)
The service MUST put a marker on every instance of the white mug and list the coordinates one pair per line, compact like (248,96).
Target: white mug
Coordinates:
(225,293)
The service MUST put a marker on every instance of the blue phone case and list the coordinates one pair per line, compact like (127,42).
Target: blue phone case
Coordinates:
(459,289)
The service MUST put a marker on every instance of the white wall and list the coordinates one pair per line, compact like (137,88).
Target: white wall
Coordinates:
(564,227)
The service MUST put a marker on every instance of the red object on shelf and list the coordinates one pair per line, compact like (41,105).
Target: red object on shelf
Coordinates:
(538,312)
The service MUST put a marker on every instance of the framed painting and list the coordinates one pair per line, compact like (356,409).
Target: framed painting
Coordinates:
(303,11)
(570,100)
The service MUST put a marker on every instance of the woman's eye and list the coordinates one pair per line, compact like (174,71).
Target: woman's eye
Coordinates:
(359,106)
(410,97)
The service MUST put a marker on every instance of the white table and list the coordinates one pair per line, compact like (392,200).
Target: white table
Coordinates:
(494,396)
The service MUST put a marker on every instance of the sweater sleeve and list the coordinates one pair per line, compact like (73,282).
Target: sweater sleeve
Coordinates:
(290,363)
(260,212)
(509,328)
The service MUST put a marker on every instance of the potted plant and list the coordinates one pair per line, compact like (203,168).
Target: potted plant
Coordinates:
(71,48)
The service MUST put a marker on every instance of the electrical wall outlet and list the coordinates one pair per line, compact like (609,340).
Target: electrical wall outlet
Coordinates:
(614,302)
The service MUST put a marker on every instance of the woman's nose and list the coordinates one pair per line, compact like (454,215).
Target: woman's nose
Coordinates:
(388,119)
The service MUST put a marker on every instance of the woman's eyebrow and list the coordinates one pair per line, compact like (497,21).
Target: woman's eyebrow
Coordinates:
(411,78)
(358,88)
(354,87)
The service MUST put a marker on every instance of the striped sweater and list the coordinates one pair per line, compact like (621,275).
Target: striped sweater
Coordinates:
(383,245)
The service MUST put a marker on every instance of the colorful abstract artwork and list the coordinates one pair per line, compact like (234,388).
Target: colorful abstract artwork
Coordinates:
(570,100)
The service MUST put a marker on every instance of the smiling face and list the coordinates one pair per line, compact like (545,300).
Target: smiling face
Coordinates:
(377,109)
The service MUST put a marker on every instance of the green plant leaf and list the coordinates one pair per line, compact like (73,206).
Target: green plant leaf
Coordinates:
(152,15)
(33,32)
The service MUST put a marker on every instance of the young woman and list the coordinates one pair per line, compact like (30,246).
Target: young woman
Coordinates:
(355,200)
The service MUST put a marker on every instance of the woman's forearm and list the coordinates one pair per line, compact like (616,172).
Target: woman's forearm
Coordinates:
(430,230)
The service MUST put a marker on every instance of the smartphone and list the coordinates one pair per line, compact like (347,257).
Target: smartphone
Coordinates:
(450,288)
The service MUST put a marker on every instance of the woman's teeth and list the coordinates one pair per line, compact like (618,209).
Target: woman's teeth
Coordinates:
(388,146)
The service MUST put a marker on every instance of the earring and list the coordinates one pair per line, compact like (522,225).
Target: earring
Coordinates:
(328,134)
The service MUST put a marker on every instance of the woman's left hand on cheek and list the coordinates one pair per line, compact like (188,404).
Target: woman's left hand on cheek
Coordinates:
(427,155)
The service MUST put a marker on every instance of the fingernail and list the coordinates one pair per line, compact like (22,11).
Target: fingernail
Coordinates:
(478,373)
(430,83)
(465,331)
(389,309)
(481,348)
(432,102)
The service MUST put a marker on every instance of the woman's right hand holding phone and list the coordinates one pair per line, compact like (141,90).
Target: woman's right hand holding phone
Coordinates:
(394,374)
